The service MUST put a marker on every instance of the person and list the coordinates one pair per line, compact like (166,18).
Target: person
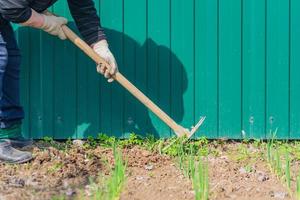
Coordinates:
(33,13)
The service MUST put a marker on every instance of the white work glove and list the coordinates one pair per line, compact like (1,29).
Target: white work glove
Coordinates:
(101,48)
(52,25)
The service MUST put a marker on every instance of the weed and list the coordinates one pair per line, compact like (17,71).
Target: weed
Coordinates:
(151,142)
(105,140)
(68,143)
(131,141)
(56,167)
(248,169)
(49,141)
(90,143)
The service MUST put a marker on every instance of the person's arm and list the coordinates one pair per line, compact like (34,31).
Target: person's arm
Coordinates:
(87,20)
(18,11)
(88,24)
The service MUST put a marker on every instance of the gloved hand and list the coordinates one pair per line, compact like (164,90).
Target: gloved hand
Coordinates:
(52,24)
(47,22)
(101,48)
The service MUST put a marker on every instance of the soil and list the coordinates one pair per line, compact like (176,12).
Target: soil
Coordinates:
(155,177)
(248,177)
(55,173)
(51,173)
(232,174)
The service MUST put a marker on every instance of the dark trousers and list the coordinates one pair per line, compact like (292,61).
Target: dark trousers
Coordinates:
(11,111)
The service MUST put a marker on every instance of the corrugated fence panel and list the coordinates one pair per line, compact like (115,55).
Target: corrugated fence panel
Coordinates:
(230,68)
(206,56)
(278,67)
(253,68)
(159,62)
(112,15)
(294,69)
(65,81)
(234,62)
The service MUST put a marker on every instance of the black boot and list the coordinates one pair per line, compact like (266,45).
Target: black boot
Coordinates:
(11,155)
(20,142)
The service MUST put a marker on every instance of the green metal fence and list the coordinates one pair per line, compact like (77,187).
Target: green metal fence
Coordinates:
(235,61)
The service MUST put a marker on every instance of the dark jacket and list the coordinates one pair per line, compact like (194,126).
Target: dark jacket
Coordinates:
(83,12)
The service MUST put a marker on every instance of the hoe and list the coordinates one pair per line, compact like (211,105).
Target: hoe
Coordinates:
(179,130)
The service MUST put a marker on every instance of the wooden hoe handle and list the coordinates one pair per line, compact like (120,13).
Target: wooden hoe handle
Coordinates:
(179,130)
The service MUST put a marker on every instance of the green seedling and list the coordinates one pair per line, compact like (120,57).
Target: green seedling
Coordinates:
(197,171)
(112,186)
(278,165)
(287,170)
(116,181)
(298,187)
(200,181)
(276,153)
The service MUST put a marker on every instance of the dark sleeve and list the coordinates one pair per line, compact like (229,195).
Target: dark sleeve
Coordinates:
(16,11)
(87,20)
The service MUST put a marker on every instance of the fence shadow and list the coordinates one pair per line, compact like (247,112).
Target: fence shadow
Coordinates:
(65,97)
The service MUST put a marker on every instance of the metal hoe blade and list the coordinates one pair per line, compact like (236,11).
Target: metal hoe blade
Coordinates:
(196,127)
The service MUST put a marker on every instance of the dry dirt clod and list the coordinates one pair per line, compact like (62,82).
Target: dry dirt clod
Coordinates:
(16,182)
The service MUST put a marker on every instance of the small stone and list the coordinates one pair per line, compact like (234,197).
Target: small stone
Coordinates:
(149,167)
(70,192)
(242,170)
(78,143)
(139,178)
(88,191)
(280,195)
(261,176)
(224,157)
